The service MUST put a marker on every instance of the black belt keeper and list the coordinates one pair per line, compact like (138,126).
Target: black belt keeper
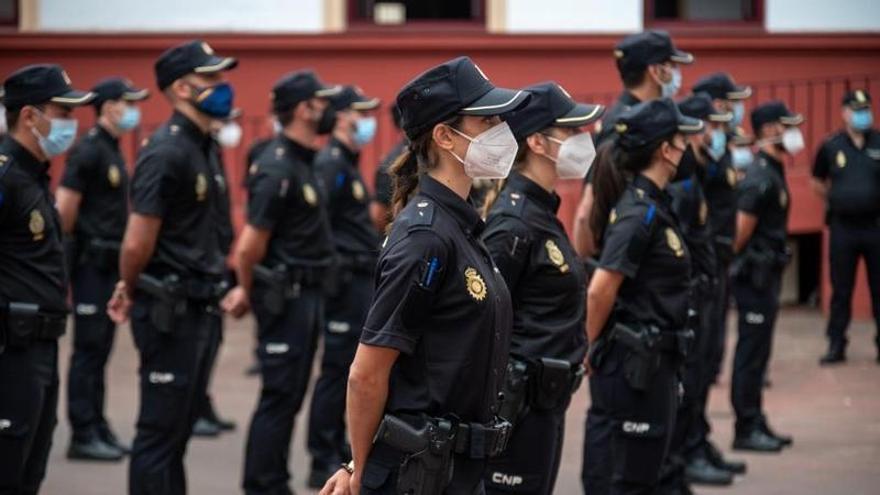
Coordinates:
(478,441)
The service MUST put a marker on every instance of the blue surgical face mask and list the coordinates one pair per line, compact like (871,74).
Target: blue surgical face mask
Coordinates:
(741,157)
(130,119)
(365,130)
(62,133)
(671,87)
(215,101)
(861,120)
(739,111)
(718,144)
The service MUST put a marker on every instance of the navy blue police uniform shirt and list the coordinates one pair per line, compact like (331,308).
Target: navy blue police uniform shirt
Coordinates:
(173,181)
(347,200)
(643,243)
(854,193)
(720,186)
(764,194)
(96,169)
(223,205)
(286,197)
(441,302)
(31,255)
(692,211)
(546,280)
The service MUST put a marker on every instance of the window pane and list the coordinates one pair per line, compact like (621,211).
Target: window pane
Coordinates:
(427,9)
(704,10)
(8,12)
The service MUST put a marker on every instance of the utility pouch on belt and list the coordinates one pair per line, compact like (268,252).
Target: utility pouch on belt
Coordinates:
(642,361)
(169,300)
(427,466)
(552,383)
(22,323)
(279,287)
(515,390)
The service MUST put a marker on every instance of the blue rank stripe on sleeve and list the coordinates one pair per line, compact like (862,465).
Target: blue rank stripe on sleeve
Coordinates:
(649,215)
(433,266)
(340,180)
(687,184)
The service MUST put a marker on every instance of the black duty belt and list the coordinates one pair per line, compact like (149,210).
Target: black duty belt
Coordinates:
(358,262)
(473,440)
(22,323)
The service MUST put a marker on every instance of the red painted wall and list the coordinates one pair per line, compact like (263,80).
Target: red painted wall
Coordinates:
(800,68)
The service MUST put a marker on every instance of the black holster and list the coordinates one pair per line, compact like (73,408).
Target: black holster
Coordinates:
(169,300)
(647,346)
(22,323)
(553,382)
(279,287)
(427,465)
(515,391)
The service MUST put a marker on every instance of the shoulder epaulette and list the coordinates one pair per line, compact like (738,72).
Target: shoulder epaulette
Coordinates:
(422,215)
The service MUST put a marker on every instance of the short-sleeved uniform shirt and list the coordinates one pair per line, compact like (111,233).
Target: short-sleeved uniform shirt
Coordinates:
(440,300)
(692,211)
(173,181)
(287,197)
(854,174)
(764,194)
(95,168)
(31,255)
(720,185)
(347,200)
(223,210)
(254,152)
(546,280)
(643,242)
(382,183)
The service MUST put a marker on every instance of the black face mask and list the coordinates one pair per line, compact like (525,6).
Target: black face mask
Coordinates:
(687,166)
(327,121)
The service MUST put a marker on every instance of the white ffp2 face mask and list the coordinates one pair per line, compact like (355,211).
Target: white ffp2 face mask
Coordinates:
(490,155)
(229,136)
(576,155)
(792,140)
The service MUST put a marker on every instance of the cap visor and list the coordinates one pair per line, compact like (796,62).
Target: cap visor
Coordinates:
(74,98)
(855,105)
(136,95)
(793,119)
(216,64)
(496,102)
(328,91)
(721,117)
(688,125)
(371,104)
(582,114)
(741,93)
(681,57)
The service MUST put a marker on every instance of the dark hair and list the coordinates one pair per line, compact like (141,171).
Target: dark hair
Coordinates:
(634,78)
(14,113)
(614,168)
(493,194)
(285,117)
(405,170)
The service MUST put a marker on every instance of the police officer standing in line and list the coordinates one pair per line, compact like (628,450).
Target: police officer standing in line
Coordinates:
(39,101)
(171,264)
(436,340)
(720,182)
(547,283)
(637,303)
(380,208)
(648,64)
(847,173)
(760,247)
(282,259)
(92,202)
(357,247)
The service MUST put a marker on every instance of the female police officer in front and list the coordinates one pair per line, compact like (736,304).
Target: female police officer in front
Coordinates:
(637,301)
(547,285)
(436,340)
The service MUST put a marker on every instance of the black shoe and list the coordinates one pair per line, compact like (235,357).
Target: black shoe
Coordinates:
(784,440)
(224,424)
(93,450)
(836,354)
(700,471)
(318,477)
(714,456)
(756,441)
(205,428)
(107,435)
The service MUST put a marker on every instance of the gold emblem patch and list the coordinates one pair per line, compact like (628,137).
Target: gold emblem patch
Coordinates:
(731,177)
(704,212)
(253,168)
(37,225)
(474,283)
(114,176)
(783,199)
(674,242)
(357,190)
(310,195)
(840,159)
(201,187)
(612,217)
(556,256)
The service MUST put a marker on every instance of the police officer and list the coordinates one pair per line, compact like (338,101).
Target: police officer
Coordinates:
(648,64)
(357,245)
(380,208)
(436,340)
(282,258)
(547,283)
(92,202)
(637,303)
(686,463)
(720,182)
(171,263)
(33,295)
(760,244)
(847,173)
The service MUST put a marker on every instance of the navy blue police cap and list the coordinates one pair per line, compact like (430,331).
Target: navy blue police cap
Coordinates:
(856,99)
(298,86)
(720,86)
(117,88)
(637,51)
(353,98)
(455,87)
(42,83)
(774,111)
(652,121)
(550,105)
(699,106)
(194,56)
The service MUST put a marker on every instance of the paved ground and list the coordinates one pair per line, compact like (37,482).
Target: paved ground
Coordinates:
(834,415)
